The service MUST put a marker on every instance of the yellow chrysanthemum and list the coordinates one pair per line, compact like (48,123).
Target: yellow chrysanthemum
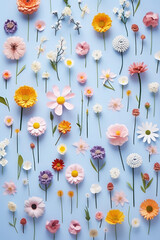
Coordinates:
(25,96)
(101,22)
(115,216)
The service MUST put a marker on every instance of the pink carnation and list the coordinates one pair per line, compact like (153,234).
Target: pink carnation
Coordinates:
(82,77)
(151,19)
(52,226)
(117,134)
(82,48)
(99,216)
(74,227)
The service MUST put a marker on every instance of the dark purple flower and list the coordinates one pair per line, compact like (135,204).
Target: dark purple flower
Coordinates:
(97,152)
(45,177)
(10,26)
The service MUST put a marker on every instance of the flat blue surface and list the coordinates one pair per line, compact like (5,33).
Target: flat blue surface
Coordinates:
(102,95)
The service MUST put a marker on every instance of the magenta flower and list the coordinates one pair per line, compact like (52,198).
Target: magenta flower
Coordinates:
(10,188)
(59,100)
(52,226)
(74,227)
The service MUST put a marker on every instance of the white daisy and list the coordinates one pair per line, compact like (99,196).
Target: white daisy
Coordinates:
(69,62)
(135,222)
(148,132)
(107,75)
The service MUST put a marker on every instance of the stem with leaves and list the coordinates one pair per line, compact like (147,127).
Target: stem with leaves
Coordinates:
(14,222)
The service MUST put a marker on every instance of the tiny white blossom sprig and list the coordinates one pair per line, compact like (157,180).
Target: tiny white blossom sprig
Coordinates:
(40,48)
(77,24)
(58,24)
(3,145)
(36,67)
(122,13)
(84,9)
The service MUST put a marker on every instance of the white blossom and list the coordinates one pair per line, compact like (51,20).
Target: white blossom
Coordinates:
(134,160)
(120,43)
(36,66)
(97,54)
(114,173)
(97,108)
(153,87)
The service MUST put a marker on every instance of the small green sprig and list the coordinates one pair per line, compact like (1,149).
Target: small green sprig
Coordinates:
(145,185)
(87,217)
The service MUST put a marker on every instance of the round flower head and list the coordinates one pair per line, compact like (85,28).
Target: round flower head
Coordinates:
(135,222)
(120,44)
(97,108)
(110,186)
(3,162)
(148,132)
(69,62)
(134,160)
(101,22)
(117,134)
(74,174)
(40,25)
(99,216)
(137,68)
(135,112)
(58,164)
(12,206)
(25,96)
(149,209)
(10,26)
(74,227)
(95,188)
(34,207)
(36,66)
(97,54)
(157,55)
(123,80)
(64,127)
(93,233)
(6,75)
(52,226)
(14,48)
(88,92)
(151,19)
(135,28)
(143,37)
(23,221)
(115,216)
(45,75)
(8,120)
(82,77)
(156,167)
(36,126)
(27,165)
(82,48)
(153,87)
(28,7)
(114,173)
(97,152)
(45,177)
(62,149)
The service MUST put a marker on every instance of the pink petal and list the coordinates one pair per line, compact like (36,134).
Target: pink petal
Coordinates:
(51,96)
(66,90)
(56,91)
(69,106)
(69,95)
(58,110)
(52,105)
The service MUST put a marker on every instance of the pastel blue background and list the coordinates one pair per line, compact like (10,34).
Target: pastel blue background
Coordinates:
(102,95)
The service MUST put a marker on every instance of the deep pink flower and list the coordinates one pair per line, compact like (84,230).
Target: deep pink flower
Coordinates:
(117,134)
(82,48)
(88,91)
(74,227)
(40,25)
(137,68)
(99,216)
(52,226)
(10,188)
(82,77)
(151,19)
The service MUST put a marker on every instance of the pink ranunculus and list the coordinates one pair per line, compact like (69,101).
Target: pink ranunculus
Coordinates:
(74,227)
(82,77)
(82,48)
(52,226)
(151,19)
(40,25)
(88,91)
(99,216)
(117,134)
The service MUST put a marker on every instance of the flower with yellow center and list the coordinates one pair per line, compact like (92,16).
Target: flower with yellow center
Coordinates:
(69,62)
(74,173)
(115,216)
(62,149)
(25,96)
(36,125)
(64,127)
(60,193)
(101,22)
(61,100)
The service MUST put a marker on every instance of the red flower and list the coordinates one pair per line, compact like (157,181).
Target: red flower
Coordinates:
(110,186)
(147,105)
(32,145)
(58,165)
(157,167)
(135,28)
(146,176)
(23,221)
(137,68)
(143,37)
(135,112)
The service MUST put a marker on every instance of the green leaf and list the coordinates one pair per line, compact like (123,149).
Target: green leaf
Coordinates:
(11,224)
(137,98)
(129,185)
(149,183)
(51,116)
(54,129)
(20,161)
(108,87)
(143,181)
(93,166)
(87,217)
(15,220)
(102,166)
(53,64)
(5,102)
(138,4)
(41,187)
(78,125)
(143,190)
(21,70)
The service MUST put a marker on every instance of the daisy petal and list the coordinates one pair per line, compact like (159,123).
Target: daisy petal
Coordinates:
(66,91)
(56,91)
(69,106)
(58,110)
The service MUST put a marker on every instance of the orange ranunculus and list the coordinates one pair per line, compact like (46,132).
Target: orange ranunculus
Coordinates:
(64,127)
(101,22)
(28,6)
(149,209)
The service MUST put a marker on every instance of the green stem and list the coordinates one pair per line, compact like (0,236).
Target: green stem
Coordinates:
(87,202)
(71,205)
(34,161)
(16,70)
(28,184)
(141,48)
(140,90)
(50,6)
(57,72)
(77,195)
(110,194)
(28,30)
(37,36)
(17,141)
(157,66)
(157,184)
(45,85)
(119,148)
(149,226)
(128,104)
(134,130)
(38,149)
(6,84)
(46,193)
(147,114)
(121,64)
(116,231)
(54,236)
(81,113)
(11,131)
(135,44)
(98,170)
(100,225)
(99,125)
(97,71)
(85,60)
(95,195)
(151,41)
(125,25)
(61,209)
(154,109)
(2,170)
(104,41)
(58,139)
(58,176)
(133,188)
(132,7)
(21,118)
(34,231)
(130,229)
(87,123)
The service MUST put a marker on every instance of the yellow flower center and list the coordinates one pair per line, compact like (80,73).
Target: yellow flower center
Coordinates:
(74,173)
(107,75)
(88,91)
(25,97)
(36,125)
(69,62)
(62,149)
(8,120)
(101,24)
(58,164)
(118,133)
(60,100)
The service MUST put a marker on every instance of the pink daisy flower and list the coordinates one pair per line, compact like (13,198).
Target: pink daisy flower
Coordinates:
(74,174)
(107,75)
(82,77)
(10,188)
(8,120)
(40,25)
(88,91)
(115,104)
(34,207)
(81,146)
(58,100)
(36,126)
(6,75)
(119,198)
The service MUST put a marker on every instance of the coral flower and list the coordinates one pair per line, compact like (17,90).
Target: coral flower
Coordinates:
(28,6)
(115,216)
(59,100)
(137,68)
(40,25)
(101,22)
(25,96)
(10,188)
(58,164)
(149,209)
(6,75)
(14,48)
(117,134)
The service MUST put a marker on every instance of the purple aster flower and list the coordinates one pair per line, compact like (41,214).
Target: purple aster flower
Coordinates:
(97,152)
(45,177)
(10,26)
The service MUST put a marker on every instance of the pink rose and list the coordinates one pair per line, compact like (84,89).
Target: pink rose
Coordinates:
(151,19)
(52,226)
(117,134)
(74,227)
(99,216)
(82,48)
(82,77)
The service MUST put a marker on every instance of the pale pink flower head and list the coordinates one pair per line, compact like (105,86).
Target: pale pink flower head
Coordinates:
(99,216)
(34,207)
(151,19)
(14,48)
(82,48)
(88,91)
(52,226)
(152,150)
(74,174)
(107,75)
(36,126)
(6,75)
(115,104)
(74,227)
(81,146)
(117,134)
(40,25)
(59,100)
(8,120)
(137,68)
(10,188)
(82,77)
(119,198)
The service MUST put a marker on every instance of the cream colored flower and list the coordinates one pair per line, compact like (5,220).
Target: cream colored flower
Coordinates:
(36,66)
(12,206)
(62,149)
(135,222)
(52,56)
(67,11)
(3,162)
(157,55)
(27,165)
(45,75)
(85,10)
(123,80)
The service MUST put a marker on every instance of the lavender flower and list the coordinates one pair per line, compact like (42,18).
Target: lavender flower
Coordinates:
(97,152)
(10,26)
(45,177)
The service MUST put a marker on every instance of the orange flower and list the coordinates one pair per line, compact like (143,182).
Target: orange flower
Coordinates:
(70,194)
(149,209)
(60,193)
(28,6)
(101,22)
(25,96)
(17,130)
(64,127)
(128,92)
(58,164)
